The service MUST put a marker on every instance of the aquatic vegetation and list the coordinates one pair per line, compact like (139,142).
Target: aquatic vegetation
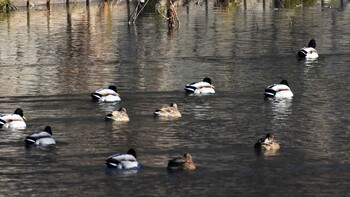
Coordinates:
(6,6)
(294,3)
(228,5)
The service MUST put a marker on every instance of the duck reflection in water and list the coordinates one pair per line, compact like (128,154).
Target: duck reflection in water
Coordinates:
(281,108)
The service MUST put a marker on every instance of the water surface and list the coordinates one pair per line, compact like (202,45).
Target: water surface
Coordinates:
(51,61)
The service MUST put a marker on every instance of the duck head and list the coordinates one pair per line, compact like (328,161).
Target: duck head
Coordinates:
(112,87)
(207,79)
(122,109)
(312,43)
(48,130)
(188,165)
(174,105)
(132,152)
(19,112)
(187,157)
(268,138)
(284,82)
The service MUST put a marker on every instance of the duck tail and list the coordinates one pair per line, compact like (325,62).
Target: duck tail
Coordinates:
(109,116)
(270,92)
(111,163)
(157,112)
(2,123)
(30,140)
(173,166)
(96,96)
(190,89)
(302,53)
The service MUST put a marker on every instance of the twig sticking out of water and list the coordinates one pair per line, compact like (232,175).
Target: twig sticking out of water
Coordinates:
(290,20)
(137,11)
(141,9)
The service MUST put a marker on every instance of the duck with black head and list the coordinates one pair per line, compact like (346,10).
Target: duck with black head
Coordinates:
(41,138)
(124,161)
(13,121)
(106,95)
(281,90)
(308,52)
(202,87)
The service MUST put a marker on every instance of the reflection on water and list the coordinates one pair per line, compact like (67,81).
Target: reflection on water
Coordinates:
(52,60)
(281,108)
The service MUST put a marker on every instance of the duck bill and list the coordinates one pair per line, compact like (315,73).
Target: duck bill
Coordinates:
(24,118)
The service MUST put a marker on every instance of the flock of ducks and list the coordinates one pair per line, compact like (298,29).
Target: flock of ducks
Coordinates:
(128,160)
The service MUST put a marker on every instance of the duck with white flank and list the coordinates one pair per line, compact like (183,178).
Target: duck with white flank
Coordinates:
(124,161)
(120,116)
(280,90)
(202,87)
(170,111)
(181,163)
(14,121)
(267,142)
(106,94)
(308,52)
(41,138)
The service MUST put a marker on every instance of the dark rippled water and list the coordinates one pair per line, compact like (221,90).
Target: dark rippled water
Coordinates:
(51,61)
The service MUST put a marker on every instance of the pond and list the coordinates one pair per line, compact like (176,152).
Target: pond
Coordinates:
(51,61)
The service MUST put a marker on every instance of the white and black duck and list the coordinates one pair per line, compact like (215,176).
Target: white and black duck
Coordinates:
(106,94)
(14,121)
(280,90)
(202,87)
(41,138)
(308,52)
(123,161)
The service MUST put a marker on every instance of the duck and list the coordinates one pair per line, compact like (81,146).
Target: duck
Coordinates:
(14,121)
(280,90)
(106,94)
(202,87)
(181,163)
(170,111)
(123,161)
(267,142)
(41,138)
(308,52)
(121,115)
